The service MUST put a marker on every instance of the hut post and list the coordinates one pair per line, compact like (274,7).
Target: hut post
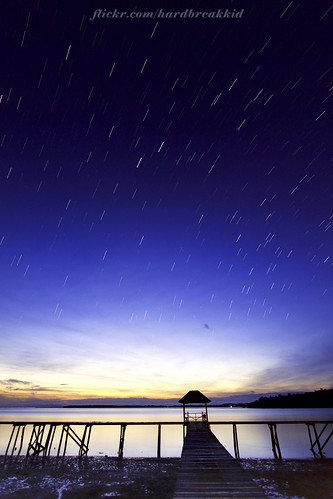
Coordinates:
(195,397)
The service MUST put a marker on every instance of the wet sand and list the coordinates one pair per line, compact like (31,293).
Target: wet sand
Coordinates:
(293,478)
(90,477)
(97,477)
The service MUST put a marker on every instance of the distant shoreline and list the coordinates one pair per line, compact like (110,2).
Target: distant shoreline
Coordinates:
(129,406)
(319,399)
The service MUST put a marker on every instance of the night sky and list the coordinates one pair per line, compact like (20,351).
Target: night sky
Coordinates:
(166,199)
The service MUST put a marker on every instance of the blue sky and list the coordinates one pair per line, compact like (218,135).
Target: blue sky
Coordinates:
(166,204)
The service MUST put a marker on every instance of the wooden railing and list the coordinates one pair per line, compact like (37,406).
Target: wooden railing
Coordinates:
(195,416)
(43,434)
(315,434)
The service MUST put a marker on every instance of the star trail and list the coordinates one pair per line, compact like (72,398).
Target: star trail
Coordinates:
(166,199)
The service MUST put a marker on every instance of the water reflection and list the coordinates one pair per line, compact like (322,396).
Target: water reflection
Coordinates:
(255,440)
(141,441)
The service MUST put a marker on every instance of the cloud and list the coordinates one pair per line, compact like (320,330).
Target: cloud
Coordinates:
(47,389)
(308,369)
(25,389)
(12,381)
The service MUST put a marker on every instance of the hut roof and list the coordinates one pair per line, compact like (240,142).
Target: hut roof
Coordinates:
(194,397)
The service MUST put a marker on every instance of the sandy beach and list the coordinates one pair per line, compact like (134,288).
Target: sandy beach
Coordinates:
(97,477)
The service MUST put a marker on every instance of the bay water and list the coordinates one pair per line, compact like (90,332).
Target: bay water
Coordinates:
(141,440)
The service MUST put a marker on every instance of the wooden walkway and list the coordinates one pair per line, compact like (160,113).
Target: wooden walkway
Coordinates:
(208,470)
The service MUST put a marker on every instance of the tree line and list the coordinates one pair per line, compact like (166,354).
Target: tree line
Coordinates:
(318,399)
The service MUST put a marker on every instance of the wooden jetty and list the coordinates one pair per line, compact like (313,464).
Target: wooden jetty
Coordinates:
(208,470)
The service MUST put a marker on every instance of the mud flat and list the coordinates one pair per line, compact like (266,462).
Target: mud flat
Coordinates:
(99,477)
(91,477)
(293,478)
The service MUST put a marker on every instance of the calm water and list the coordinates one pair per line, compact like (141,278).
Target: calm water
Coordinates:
(141,441)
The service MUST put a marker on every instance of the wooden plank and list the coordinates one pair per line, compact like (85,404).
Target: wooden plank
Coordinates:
(208,470)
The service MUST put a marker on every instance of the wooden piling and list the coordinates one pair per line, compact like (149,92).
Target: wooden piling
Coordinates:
(159,441)
(275,441)
(121,440)
(20,428)
(49,440)
(235,439)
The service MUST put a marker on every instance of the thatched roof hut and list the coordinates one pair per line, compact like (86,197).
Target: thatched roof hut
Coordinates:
(195,397)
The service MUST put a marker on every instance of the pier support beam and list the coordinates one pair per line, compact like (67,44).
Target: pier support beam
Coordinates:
(83,442)
(18,428)
(159,441)
(49,440)
(35,446)
(315,439)
(122,440)
(84,446)
(275,441)
(235,438)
